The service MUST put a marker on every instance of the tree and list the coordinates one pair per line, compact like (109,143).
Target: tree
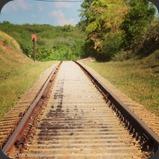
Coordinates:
(100,18)
(136,22)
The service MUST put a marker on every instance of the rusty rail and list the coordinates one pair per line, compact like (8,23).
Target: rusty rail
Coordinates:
(28,114)
(148,140)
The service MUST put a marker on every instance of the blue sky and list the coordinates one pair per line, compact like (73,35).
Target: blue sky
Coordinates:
(32,11)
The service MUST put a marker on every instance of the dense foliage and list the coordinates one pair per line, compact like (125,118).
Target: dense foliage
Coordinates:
(136,22)
(150,41)
(112,26)
(101,20)
(54,43)
(114,29)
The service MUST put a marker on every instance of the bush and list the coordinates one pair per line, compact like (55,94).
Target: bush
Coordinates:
(112,44)
(122,55)
(150,41)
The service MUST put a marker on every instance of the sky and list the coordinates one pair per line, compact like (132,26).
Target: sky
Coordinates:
(32,11)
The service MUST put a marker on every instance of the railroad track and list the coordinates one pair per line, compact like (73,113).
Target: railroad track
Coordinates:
(80,119)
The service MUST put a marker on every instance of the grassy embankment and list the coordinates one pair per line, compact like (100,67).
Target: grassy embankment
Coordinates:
(17,72)
(54,42)
(139,79)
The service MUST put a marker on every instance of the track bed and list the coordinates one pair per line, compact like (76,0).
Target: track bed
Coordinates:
(77,123)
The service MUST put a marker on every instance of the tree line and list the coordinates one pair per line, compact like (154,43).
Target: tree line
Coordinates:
(54,42)
(108,29)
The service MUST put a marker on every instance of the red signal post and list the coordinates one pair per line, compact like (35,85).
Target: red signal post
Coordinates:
(34,40)
(34,37)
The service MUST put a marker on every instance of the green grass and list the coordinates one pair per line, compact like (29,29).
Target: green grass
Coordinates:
(14,82)
(135,78)
(17,72)
(54,42)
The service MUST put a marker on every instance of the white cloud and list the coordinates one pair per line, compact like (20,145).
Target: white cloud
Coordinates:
(18,4)
(61,18)
(40,7)
(62,4)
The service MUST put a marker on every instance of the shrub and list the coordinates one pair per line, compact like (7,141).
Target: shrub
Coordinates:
(112,44)
(122,55)
(150,41)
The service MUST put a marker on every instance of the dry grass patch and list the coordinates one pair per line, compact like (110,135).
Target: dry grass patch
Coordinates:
(133,78)
(14,81)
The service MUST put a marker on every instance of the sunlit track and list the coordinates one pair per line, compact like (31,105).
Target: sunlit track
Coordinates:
(78,124)
(76,116)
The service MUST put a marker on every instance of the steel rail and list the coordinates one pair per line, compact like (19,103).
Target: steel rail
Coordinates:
(23,122)
(147,138)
